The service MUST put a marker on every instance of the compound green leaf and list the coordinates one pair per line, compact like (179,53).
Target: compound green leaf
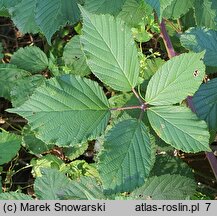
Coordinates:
(9,76)
(30,58)
(199,39)
(9,146)
(85,188)
(110,51)
(205,103)
(166,187)
(176,79)
(206,13)
(74,57)
(14,196)
(50,184)
(180,128)
(23,16)
(159,6)
(53,14)
(125,161)
(104,6)
(22,90)
(178,8)
(66,110)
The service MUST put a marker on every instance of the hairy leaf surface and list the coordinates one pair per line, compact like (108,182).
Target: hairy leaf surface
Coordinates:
(166,187)
(110,51)
(176,79)
(66,110)
(199,39)
(126,159)
(180,128)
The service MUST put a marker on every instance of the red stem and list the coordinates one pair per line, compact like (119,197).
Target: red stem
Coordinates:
(209,155)
(171,53)
(213,162)
(126,108)
(166,39)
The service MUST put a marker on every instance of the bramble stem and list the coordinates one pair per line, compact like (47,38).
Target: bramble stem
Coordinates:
(166,39)
(143,107)
(213,162)
(171,53)
(209,155)
(126,108)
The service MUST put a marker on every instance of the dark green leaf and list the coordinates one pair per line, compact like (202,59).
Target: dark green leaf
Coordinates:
(199,39)
(9,76)
(166,187)
(206,13)
(9,146)
(53,14)
(205,103)
(126,159)
(22,90)
(66,110)
(31,59)
(23,16)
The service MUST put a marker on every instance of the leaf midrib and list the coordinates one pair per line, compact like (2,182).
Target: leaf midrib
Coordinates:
(174,125)
(110,51)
